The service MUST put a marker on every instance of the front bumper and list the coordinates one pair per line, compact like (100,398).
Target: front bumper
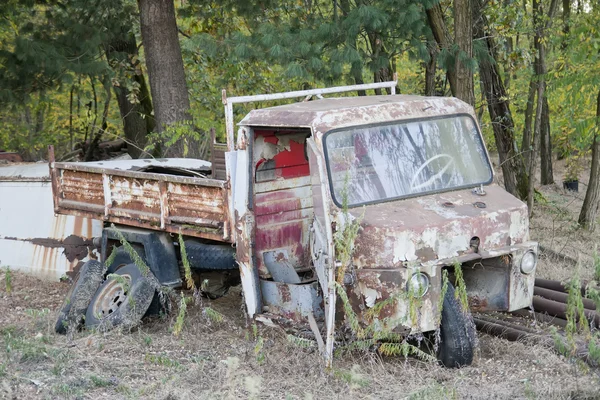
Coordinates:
(493,279)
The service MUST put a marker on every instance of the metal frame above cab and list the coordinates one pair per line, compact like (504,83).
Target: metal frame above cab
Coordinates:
(228,102)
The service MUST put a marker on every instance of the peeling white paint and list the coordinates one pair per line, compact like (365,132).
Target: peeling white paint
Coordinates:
(519,225)
(370,295)
(404,247)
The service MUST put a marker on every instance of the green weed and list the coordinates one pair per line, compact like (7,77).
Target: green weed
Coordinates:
(213,315)
(98,381)
(461,288)
(178,326)
(434,391)
(111,258)
(345,236)
(8,280)
(353,377)
(162,360)
(33,313)
(186,264)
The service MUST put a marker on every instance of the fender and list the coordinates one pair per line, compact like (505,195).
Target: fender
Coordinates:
(159,249)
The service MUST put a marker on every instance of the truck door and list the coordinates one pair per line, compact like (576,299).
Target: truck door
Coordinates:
(321,240)
(242,225)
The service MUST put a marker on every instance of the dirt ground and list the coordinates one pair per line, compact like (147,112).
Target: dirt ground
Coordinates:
(228,359)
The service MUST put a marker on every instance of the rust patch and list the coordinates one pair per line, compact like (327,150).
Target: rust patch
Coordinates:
(477,303)
(74,247)
(284,293)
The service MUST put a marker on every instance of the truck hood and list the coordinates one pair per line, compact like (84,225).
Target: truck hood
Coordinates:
(438,226)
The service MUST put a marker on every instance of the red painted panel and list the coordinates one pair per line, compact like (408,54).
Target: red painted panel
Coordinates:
(281,222)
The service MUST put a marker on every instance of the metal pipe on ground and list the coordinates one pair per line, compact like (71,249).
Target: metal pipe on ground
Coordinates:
(560,309)
(502,331)
(561,297)
(558,286)
(508,324)
(549,319)
(512,334)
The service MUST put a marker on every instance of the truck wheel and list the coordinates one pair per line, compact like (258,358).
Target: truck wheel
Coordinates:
(457,334)
(121,259)
(78,297)
(120,301)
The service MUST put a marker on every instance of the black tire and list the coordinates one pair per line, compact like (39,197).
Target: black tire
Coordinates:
(210,256)
(115,305)
(76,302)
(457,334)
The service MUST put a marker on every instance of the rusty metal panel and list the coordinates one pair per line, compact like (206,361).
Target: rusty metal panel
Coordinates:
(32,238)
(389,285)
(440,226)
(293,301)
(173,203)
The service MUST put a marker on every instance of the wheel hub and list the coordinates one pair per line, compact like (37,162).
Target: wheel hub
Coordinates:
(112,296)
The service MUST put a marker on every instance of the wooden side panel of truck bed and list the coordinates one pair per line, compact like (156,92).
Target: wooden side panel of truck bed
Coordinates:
(193,206)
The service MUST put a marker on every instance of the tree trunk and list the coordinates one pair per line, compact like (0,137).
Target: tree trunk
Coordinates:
(430,69)
(537,131)
(547,174)
(513,169)
(165,66)
(435,19)
(566,16)
(356,72)
(138,121)
(589,210)
(541,28)
(463,37)
(526,144)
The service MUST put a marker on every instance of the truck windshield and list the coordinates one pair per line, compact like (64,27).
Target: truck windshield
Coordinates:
(379,163)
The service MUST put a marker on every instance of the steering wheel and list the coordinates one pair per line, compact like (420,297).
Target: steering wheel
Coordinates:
(449,163)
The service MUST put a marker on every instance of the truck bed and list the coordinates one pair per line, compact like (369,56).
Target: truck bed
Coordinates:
(151,194)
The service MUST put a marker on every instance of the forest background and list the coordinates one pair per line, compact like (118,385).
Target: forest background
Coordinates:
(75,73)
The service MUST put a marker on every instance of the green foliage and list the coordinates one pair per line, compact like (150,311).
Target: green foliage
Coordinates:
(213,315)
(111,258)
(186,264)
(345,235)
(137,259)
(178,326)
(8,280)
(461,288)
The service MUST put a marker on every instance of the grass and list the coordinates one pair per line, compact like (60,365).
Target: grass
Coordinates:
(8,280)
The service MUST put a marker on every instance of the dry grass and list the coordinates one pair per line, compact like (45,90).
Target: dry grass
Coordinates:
(228,360)
(221,360)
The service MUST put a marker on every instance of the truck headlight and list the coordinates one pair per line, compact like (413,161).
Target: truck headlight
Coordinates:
(528,262)
(418,284)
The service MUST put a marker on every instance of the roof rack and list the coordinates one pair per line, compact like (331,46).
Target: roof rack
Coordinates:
(307,94)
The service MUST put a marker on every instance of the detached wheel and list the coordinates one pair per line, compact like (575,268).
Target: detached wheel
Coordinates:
(75,304)
(457,334)
(121,259)
(120,301)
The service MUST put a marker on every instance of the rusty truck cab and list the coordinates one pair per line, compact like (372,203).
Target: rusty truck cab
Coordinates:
(413,172)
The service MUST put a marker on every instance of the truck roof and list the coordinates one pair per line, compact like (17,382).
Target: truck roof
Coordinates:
(323,115)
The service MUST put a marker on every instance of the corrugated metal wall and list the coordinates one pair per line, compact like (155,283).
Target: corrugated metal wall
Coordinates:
(32,238)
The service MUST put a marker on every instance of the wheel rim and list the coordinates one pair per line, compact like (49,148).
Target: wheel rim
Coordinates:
(111,297)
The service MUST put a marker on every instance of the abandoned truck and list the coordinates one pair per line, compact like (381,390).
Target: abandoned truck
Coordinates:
(411,173)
